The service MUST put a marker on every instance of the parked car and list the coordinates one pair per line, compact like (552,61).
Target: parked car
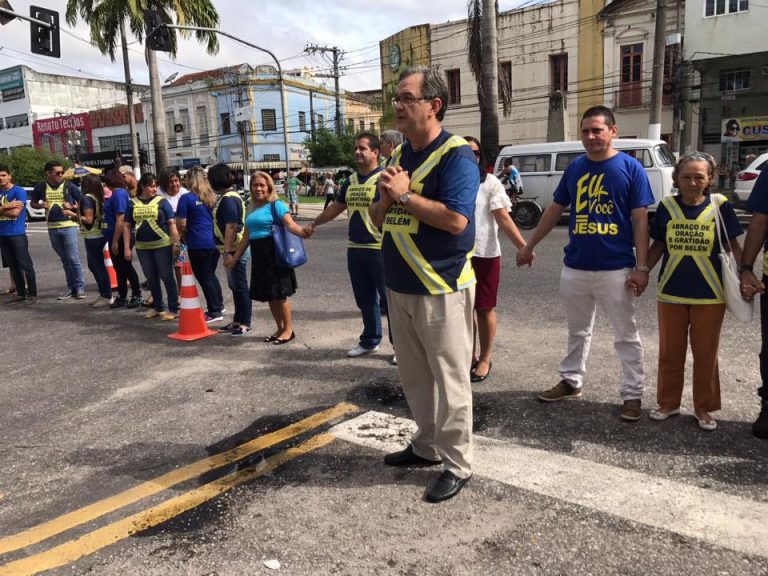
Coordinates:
(33,213)
(541,166)
(745,180)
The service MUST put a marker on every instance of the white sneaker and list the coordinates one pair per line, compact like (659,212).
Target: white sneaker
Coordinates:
(394,360)
(360,351)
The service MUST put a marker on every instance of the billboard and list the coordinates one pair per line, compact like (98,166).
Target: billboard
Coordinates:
(744,129)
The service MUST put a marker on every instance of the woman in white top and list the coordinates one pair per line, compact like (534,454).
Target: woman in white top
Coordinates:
(491,214)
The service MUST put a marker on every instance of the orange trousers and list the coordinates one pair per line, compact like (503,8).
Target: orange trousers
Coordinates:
(703,323)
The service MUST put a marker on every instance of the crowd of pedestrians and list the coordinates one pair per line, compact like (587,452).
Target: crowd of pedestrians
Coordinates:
(424,250)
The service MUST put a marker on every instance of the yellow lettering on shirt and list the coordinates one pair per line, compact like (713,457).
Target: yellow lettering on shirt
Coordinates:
(690,237)
(585,227)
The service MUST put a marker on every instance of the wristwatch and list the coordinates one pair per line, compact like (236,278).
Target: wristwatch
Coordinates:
(744,268)
(405,198)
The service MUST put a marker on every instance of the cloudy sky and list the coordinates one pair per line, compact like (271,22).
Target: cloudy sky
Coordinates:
(283,26)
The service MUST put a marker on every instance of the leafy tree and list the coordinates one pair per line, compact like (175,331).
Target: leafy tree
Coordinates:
(26,164)
(107,19)
(331,150)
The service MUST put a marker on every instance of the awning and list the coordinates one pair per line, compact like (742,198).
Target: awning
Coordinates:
(265,165)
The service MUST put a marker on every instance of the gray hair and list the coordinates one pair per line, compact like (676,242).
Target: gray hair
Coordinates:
(694,157)
(432,86)
(392,137)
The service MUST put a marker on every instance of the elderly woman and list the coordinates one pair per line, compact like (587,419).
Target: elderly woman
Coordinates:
(491,214)
(157,241)
(690,289)
(269,282)
(194,219)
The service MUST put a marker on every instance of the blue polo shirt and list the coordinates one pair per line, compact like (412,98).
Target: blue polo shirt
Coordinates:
(70,194)
(199,217)
(14,226)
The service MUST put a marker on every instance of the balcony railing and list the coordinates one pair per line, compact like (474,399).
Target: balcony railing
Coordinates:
(638,95)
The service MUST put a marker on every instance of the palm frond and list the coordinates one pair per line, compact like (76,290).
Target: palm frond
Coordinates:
(475,44)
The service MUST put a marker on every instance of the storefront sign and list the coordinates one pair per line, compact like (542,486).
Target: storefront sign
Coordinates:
(61,125)
(11,78)
(745,129)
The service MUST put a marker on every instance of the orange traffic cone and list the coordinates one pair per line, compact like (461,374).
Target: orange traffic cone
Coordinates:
(192,324)
(110,267)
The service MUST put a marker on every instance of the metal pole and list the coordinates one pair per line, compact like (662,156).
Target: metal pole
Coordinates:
(657,80)
(279,72)
(336,87)
(129,99)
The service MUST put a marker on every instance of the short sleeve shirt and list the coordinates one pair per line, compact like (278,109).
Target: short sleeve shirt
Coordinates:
(758,202)
(199,217)
(116,204)
(145,233)
(15,226)
(259,222)
(71,194)
(682,279)
(490,197)
(362,232)
(601,196)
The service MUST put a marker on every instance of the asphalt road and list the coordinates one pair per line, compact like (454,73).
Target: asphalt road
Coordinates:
(117,447)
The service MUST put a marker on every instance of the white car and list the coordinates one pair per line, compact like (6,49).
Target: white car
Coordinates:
(33,213)
(745,180)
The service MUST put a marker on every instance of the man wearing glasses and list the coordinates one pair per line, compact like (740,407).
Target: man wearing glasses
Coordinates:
(425,204)
(60,200)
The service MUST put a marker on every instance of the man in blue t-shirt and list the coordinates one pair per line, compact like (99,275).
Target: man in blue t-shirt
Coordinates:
(425,205)
(13,238)
(607,193)
(364,261)
(757,237)
(60,200)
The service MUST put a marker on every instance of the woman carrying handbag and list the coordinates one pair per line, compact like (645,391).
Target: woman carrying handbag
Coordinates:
(690,293)
(269,282)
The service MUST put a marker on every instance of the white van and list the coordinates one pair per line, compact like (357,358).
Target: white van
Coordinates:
(541,165)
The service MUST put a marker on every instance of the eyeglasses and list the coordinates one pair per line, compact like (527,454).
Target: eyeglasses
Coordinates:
(407,100)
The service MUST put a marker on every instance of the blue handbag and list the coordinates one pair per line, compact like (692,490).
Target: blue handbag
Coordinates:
(289,249)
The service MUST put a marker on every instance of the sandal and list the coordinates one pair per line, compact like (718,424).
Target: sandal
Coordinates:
(281,341)
(8,291)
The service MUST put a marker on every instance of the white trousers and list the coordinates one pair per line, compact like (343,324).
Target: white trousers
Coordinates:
(581,291)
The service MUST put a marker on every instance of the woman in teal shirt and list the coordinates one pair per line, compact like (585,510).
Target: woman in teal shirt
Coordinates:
(269,282)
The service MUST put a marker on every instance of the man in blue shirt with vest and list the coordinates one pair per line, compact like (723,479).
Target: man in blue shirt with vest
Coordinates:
(757,237)
(425,205)
(13,238)
(364,261)
(60,200)
(607,193)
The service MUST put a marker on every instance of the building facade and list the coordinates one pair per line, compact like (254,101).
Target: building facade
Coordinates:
(726,46)
(51,111)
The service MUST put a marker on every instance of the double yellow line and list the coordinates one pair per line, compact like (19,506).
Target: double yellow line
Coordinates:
(91,542)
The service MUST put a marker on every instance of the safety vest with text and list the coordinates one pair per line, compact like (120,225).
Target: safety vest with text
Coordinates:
(55,198)
(146,216)
(691,240)
(439,261)
(218,231)
(98,225)
(363,233)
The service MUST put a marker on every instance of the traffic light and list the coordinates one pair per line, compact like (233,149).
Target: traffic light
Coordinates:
(45,40)
(158,35)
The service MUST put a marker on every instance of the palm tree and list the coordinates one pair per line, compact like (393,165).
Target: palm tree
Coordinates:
(107,19)
(484,63)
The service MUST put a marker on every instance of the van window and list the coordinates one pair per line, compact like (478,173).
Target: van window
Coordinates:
(565,158)
(643,156)
(533,162)
(664,157)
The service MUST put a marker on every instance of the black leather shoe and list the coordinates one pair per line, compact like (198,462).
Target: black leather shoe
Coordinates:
(408,458)
(446,486)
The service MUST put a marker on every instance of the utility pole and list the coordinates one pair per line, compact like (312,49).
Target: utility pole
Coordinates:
(337,55)
(657,79)
(311,116)
(242,127)
(677,119)
(129,98)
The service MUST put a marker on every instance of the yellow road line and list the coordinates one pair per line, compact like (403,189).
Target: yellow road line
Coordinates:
(92,511)
(91,542)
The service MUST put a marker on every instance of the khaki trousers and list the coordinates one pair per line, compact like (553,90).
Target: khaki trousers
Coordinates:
(434,353)
(703,322)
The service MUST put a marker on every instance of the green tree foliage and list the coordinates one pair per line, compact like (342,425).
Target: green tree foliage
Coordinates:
(26,164)
(331,150)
